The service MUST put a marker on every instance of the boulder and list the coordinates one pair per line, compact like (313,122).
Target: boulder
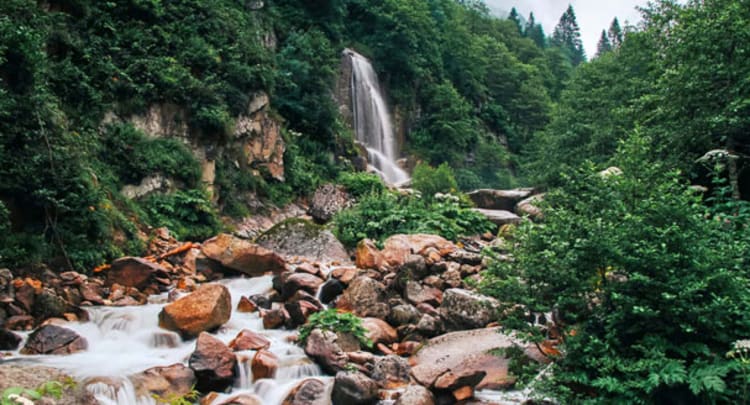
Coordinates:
(367,298)
(242,256)
(311,391)
(242,399)
(327,201)
(48,304)
(213,363)
(207,308)
(397,249)
(296,237)
(171,381)
(463,309)
(249,340)
(300,281)
(417,294)
(404,314)
(353,388)
(274,318)
(499,199)
(430,326)
(499,217)
(264,364)
(330,290)
(132,272)
(53,339)
(390,371)
(32,377)
(379,331)
(245,305)
(416,395)
(367,255)
(9,340)
(529,207)
(323,347)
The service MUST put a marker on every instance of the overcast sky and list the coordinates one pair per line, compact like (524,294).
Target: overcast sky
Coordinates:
(593,15)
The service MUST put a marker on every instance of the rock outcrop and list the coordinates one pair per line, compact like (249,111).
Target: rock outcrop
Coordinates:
(327,201)
(299,238)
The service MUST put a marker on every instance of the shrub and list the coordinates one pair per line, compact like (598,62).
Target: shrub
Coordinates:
(359,184)
(334,321)
(430,181)
(189,214)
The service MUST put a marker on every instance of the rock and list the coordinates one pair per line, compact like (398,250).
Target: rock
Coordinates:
(452,381)
(466,353)
(213,363)
(322,346)
(466,257)
(345,274)
(430,326)
(300,281)
(463,393)
(499,199)
(330,290)
(264,365)
(353,388)
(47,304)
(171,381)
(299,311)
(297,237)
(245,305)
(207,308)
(20,322)
(367,255)
(32,377)
(53,339)
(242,399)
(132,272)
(274,318)
(92,292)
(249,340)
(416,395)
(260,138)
(390,372)
(9,340)
(398,248)
(311,391)
(499,217)
(378,331)
(530,207)
(403,315)
(367,298)
(240,255)
(327,201)
(418,294)
(463,309)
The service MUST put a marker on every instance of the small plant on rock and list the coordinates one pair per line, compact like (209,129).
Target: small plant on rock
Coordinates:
(337,322)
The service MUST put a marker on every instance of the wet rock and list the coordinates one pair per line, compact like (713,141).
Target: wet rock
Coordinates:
(32,377)
(418,294)
(9,340)
(205,309)
(367,298)
(300,281)
(264,365)
(379,331)
(330,290)
(274,318)
(416,395)
(463,309)
(390,371)
(403,314)
(367,255)
(47,304)
(322,346)
(311,391)
(20,322)
(171,381)
(249,340)
(327,201)
(242,256)
(299,311)
(297,237)
(132,272)
(353,388)
(53,339)
(213,363)
(499,199)
(245,305)
(261,300)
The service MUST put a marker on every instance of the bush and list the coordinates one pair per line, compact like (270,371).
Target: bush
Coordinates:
(359,184)
(333,321)
(649,294)
(430,181)
(189,214)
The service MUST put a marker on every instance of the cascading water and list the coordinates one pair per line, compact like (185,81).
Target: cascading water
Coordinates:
(372,121)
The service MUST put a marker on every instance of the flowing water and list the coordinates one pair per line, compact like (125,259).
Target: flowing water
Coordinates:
(127,340)
(373,125)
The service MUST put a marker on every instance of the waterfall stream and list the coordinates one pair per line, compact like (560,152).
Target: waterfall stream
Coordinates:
(127,340)
(373,125)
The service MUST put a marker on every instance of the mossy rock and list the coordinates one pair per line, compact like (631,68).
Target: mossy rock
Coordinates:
(302,238)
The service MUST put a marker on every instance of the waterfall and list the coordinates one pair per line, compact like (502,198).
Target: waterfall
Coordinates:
(372,121)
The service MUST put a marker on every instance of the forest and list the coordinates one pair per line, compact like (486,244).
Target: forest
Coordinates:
(641,151)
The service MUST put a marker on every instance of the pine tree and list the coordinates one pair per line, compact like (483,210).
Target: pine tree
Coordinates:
(604,45)
(615,34)
(516,19)
(535,32)
(567,35)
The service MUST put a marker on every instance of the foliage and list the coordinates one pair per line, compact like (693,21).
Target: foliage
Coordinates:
(359,184)
(378,216)
(430,181)
(189,214)
(649,294)
(334,321)
(52,389)
(173,399)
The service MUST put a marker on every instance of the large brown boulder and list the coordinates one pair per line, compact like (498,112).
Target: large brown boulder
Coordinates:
(397,249)
(499,199)
(132,272)
(327,201)
(464,309)
(367,255)
(243,256)
(213,363)
(249,340)
(311,391)
(416,395)
(53,339)
(353,387)
(264,364)
(322,346)
(367,298)
(299,238)
(390,371)
(207,308)
(171,381)
(379,331)
(300,281)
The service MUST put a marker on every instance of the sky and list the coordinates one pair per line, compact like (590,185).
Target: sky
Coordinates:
(592,15)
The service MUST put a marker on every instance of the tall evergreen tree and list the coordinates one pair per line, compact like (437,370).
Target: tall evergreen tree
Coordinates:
(615,34)
(604,45)
(567,35)
(516,19)
(535,32)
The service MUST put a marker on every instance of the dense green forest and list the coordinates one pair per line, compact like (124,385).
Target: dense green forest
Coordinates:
(647,277)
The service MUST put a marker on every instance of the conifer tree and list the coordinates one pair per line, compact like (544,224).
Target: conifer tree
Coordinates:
(516,19)
(615,34)
(604,45)
(567,35)
(535,32)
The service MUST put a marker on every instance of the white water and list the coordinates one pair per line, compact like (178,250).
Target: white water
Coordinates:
(373,125)
(127,340)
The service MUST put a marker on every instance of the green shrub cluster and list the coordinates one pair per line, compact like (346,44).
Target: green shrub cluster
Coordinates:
(359,184)
(430,181)
(189,214)
(334,321)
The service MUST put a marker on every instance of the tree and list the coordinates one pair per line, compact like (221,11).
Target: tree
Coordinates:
(615,34)
(535,32)
(516,19)
(567,35)
(604,45)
